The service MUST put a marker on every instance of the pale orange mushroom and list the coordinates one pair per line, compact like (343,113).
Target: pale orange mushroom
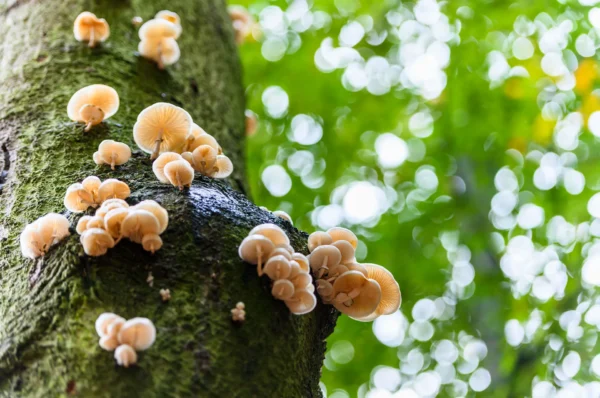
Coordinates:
(93,104)
(162,127)
(88,27)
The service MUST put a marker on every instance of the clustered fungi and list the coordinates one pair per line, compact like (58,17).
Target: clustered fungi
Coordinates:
(361,291)
(37,237)
(92,192)
(93,104)
(115,220)
(269,248)
(125,337)
(159,39)
(242,22)
(88,27)
(113,153)
(238,314)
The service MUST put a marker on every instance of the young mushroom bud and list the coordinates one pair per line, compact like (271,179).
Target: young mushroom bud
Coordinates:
(222,168)
(339,233)
(179,173)
(282,289)
(162,127)
(255,249)
(82,224)
(93,104)
(139,333)
(271,232)
(157,210)
(317,239)
(302,302)
(204,159)
(88,27)
(125,355)
(113,189)
(158,166)
(113,153)
(278,267)
(96,242)
(138,224)
(78,199)
(355,295)
(171,17)
(284,215)
(151,243)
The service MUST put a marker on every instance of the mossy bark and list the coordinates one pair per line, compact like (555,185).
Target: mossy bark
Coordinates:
(48,345)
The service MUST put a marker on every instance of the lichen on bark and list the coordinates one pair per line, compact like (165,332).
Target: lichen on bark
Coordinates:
(48,345)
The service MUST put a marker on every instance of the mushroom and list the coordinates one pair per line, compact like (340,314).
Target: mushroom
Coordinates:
(163,51)
(282,289)
(323,258)
(113,189)
(93,104)
(391,297)
(204,159)
(238,314)
(165,294)
(242,22)
(301,281)
(92,184)
(152,243)
(179,173)
(125,355)
(96,242)
(302,302)
(138,224)
(108,342)
(272,232)
(114,220)
(200,137)
(40,235)
(113,153)
(354,266)
(78,199)
(339,233)
(54,227)
(95,222)
(280,251)
(289,248)
(159,212)
(222,168)
(317,239)
(157,29)
(251,122)
(82,224)
(302,261)
(139,333)
(88,27)
(294,270)
(254,249)
(162,127)
(158,166)
(277,267)
(336,271)
(284,215)
(346,250)
(137,21)
(188,157)
(104,321)
(171,17)
(356,295)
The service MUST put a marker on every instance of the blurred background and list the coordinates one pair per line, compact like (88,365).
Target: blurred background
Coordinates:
(460,141)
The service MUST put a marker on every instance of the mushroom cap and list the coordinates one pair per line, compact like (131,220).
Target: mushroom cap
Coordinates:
(165,50)
(281,251)
(97,158)
(159,212)
(95,222)
(346,250)
(295,270)
(204,158)
(391,298)
(77,199)
(354,266)
(104,321)
(251,122)
(164,120)
(125,355)
(152,242)
(324,256)
(277,267)
(363,304)
(114,151)
(96,242)
(92,184)
(349,281)
(282,289)
(200,137)
(31,241)
(113,189)
(108,342)
(138,224)
(302,261)
(54,226)
(317,239)
(252,246)
(156,29)
(114,327)
(303,302)
(339,233)
(289,248)
(272,232)
(158,166)
(284,215)
(98,95)
(337,270)
(82,224)
(223,167)
(84,23)
(188,157)
(179,173)
(115,203)
(139,333)
(168,16)
(113,221)
(301,281)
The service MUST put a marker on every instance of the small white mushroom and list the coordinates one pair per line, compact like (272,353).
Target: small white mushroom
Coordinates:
(282,289)
(277,267)
(255,249)
(113,153)
(78,199)
(302,302)
(96,242)
(89,28)
(317,239)
(158,166)
(139,333)
(271,232)
(179,173)
(324,257)
(125,355)
(138,224)
(113,189)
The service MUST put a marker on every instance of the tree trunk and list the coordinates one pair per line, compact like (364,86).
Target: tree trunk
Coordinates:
(48,344)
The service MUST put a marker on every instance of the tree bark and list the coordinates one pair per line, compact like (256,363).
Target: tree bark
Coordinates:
(48,344)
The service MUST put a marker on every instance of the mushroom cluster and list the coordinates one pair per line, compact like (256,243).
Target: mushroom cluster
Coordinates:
(115,220)
(159,38)
(125,337)
(37,237)
(269,248)
(361,291)
(93,104)
(92,192)
(88,27)
(113,153)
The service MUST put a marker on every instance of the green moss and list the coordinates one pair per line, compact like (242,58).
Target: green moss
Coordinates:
(47,308)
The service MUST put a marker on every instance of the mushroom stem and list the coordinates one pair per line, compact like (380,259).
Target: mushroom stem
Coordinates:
(161,64)
(92,42)
(88,126)
(259,263)
(112,161)
(323,267)
(179,182)
(157,143)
